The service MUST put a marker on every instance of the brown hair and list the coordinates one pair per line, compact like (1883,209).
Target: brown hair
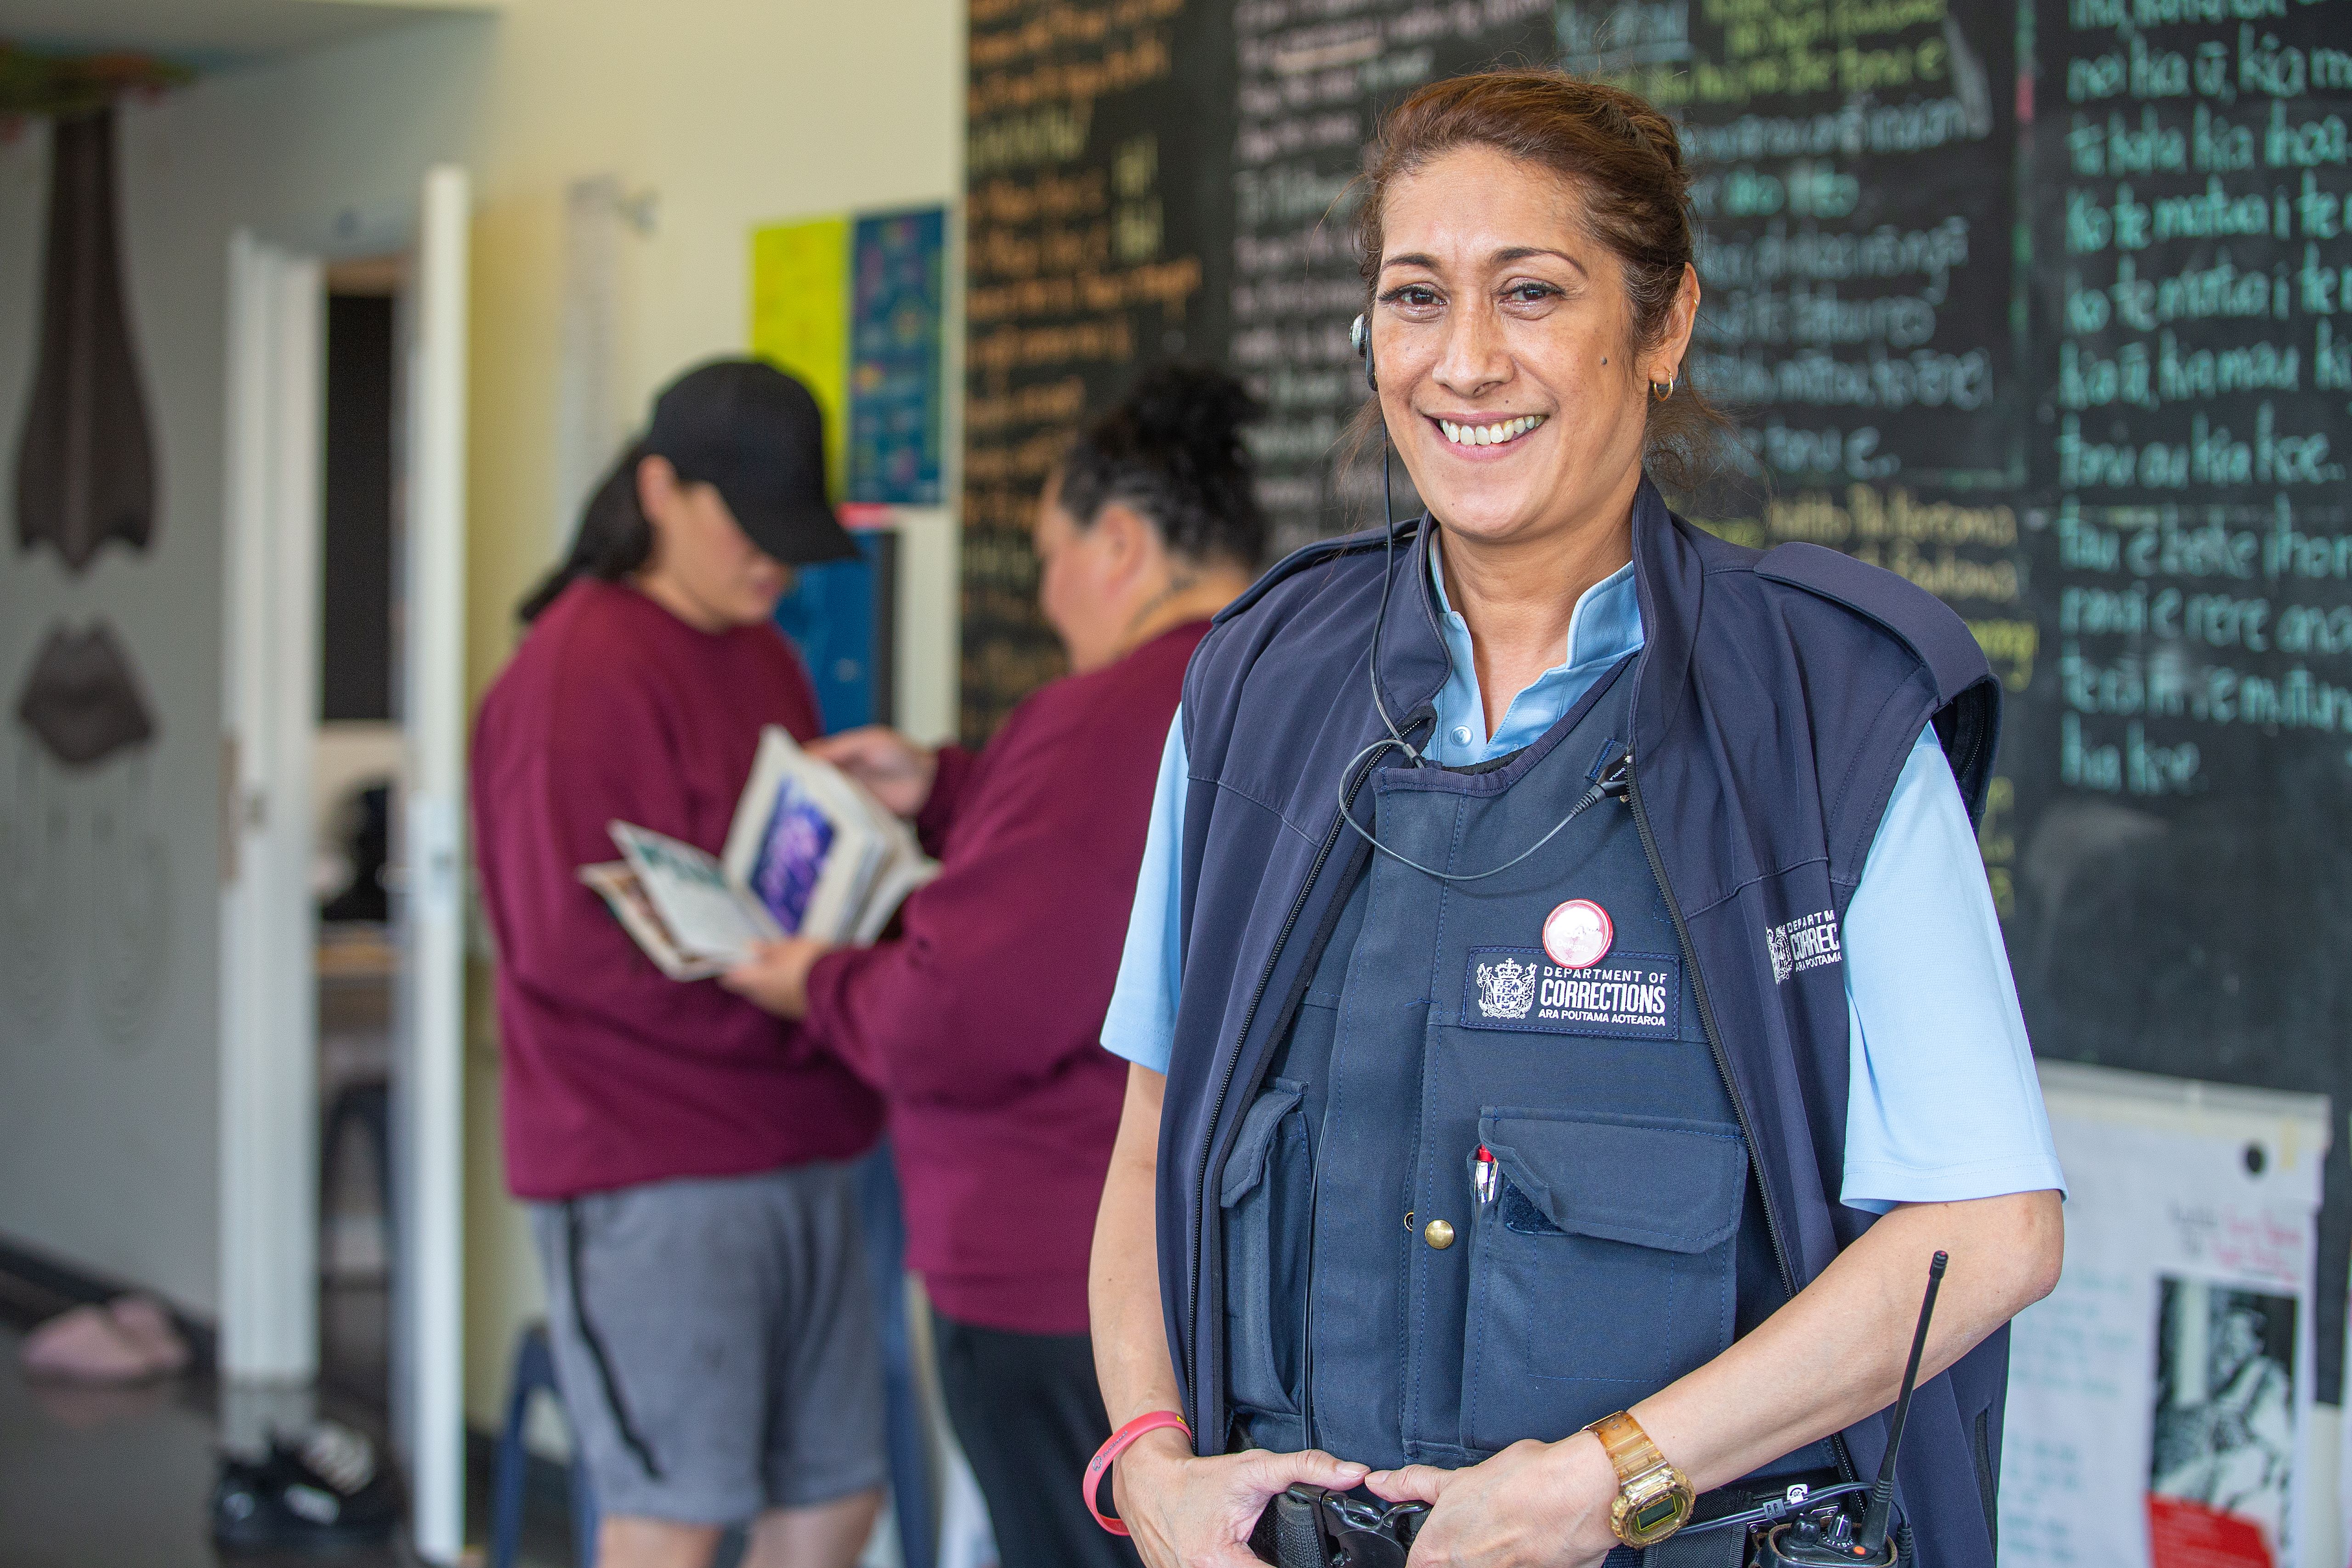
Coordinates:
(1623,156)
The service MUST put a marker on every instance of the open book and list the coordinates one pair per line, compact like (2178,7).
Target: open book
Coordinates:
(811,854)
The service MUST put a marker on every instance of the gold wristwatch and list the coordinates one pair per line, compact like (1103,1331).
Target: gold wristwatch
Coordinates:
(1654,1498)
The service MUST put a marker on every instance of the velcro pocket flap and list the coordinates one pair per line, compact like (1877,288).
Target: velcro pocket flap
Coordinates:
(1646,1180)
(1246,1167)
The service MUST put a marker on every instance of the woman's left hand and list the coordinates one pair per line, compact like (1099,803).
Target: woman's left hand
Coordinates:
(1534,1505)
(775,977)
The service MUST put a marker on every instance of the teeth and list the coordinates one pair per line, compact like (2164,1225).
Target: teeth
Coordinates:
(1489,434)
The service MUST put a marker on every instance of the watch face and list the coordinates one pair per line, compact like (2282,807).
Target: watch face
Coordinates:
(1665,1508)
(1648,1519)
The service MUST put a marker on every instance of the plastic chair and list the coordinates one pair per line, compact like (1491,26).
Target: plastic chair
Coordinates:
(534,1373)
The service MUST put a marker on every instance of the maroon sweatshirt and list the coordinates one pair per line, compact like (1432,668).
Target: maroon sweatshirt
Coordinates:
(614,1074)
(982,1022)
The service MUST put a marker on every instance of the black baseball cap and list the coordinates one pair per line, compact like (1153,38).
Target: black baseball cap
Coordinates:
(758,435)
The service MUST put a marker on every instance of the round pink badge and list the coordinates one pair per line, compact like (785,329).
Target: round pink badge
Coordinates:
(1577,934)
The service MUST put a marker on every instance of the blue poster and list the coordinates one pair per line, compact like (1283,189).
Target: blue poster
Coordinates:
(898,322)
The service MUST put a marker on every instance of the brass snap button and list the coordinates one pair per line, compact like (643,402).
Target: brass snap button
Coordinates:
(1438,1234)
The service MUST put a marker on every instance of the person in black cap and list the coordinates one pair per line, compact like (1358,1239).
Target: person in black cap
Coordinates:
(685,1157)
(733,458)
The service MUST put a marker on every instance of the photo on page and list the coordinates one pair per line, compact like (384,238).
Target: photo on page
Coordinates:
(2221,1464)
(790,860)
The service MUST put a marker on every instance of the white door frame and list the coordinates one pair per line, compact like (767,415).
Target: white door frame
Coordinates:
(269,1025)
(434,658)
(268,999)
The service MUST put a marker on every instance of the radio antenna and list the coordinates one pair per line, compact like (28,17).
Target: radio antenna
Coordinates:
(1872,1545)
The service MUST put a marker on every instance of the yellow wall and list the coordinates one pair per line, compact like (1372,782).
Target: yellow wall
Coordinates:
(729,113)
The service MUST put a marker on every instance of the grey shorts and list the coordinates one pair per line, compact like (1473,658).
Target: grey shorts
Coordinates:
(715,1342)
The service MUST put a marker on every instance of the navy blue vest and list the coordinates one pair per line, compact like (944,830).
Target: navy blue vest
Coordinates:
(1387,1300)
(1769,713)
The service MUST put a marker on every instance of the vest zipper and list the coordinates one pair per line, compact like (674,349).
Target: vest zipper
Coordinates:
(1722,1060)
(1217,1106)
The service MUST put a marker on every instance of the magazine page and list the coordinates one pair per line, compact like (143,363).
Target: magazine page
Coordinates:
(804,842)
(705,913)
(625,897)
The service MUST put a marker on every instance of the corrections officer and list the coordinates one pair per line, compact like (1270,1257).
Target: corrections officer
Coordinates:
(1566,1006)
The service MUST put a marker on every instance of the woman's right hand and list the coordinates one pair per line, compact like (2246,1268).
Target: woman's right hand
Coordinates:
(1189,1513)
(898,772)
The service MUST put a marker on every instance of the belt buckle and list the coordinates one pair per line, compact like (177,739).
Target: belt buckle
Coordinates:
(1319,1528)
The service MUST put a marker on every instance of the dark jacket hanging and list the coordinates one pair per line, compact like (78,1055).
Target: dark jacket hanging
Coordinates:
(85,461)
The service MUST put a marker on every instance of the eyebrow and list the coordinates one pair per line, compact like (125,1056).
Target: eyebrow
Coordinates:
(1503,257)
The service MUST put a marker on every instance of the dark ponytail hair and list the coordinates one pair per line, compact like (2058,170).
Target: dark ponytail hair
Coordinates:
(1172,450)
(614,539)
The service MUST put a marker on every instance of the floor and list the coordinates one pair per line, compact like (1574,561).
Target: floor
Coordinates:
(122,1478)
(94,1478)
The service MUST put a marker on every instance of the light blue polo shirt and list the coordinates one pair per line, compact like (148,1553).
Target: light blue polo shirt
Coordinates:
(1943,1103)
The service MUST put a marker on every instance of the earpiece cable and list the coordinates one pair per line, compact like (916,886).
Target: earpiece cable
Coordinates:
(1379,620)
(1613,779)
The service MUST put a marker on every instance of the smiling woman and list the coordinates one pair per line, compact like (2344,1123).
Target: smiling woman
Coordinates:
(1619,201)
(1660,967)
(1529,346)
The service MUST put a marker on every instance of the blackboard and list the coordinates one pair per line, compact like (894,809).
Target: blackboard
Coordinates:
(2044,304)
(2181,758)
(1094,190)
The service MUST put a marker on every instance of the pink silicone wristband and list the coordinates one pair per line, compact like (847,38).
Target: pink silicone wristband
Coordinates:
(1107,1455)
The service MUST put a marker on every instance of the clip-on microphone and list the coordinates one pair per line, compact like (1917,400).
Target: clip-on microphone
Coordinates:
(1819,1538)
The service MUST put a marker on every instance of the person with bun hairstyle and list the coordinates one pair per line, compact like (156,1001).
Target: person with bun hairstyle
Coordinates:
(980,1022)
(685,1157)
(1566,1006)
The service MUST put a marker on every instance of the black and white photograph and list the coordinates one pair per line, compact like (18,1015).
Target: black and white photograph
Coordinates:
(2224,1418)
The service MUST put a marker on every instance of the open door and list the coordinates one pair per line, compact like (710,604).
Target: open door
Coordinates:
(428,1367)
(269,1216)
(270,920)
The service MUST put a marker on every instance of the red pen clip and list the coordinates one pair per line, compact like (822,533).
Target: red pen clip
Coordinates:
(1483,1178)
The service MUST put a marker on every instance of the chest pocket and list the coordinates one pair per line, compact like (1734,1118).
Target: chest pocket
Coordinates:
(1603,1268)
(1266,1193)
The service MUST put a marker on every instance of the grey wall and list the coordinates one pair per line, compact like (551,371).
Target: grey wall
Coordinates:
(110,878)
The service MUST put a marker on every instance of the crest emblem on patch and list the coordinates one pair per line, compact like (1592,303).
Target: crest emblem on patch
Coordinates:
(1806,943)
(1508,989)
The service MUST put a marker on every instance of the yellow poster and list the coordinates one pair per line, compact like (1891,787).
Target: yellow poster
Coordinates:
(800,319)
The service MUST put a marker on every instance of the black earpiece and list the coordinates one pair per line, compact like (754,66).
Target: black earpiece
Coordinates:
(1360,334)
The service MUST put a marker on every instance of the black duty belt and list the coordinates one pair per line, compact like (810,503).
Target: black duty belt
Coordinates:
(1313,1527)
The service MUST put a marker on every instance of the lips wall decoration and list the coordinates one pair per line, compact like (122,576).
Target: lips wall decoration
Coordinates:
(82,699)
(85,460)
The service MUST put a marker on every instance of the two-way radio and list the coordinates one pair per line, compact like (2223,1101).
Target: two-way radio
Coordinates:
(1823,1537)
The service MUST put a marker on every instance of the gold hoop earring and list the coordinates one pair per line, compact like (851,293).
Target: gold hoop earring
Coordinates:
(1663,390)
